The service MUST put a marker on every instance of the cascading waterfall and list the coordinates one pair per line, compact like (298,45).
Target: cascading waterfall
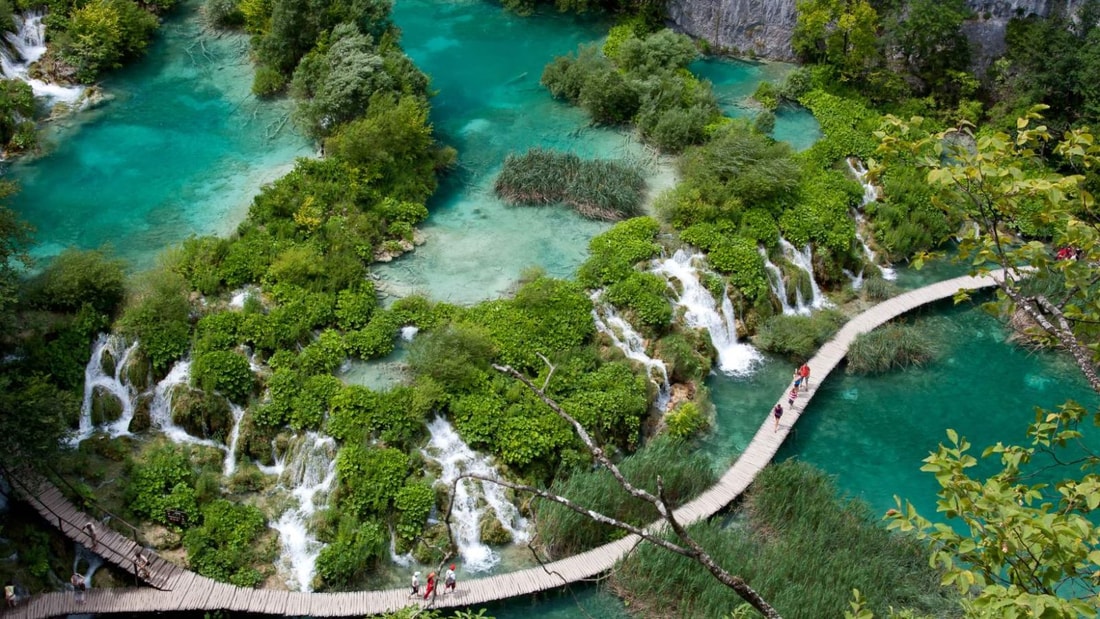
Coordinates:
(309,474)
(234,435)
(734,358)
(779,287)
(628,340)
(804,260)
(456,458)
(870,194)
(857,280)
(23,48)
(95,376)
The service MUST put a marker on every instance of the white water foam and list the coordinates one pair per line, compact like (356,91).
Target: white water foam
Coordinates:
(456,458)
(23,48)
(626,339)
(734,358)
(779,287)
(96,376)
(309,474)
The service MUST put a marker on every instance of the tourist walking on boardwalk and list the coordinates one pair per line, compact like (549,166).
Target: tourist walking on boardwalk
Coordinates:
(431,585)
(797,379)
(9,595)
(415,584)
(449,580)
(89,529)
(804,372)
(792,396)
(77,581)
(777,412)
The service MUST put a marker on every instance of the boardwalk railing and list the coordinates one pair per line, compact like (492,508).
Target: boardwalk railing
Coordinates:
(180,590)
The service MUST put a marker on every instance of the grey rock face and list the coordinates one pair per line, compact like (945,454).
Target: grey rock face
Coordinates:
(764,27)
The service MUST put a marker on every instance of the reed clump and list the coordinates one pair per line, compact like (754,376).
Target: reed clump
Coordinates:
(801,545)
(595,188)
(891,347)
(684,473)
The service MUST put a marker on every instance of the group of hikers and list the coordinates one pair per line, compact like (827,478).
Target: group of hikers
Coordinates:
(448,583)
(801,379)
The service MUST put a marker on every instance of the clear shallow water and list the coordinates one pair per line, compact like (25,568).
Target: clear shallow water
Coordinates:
(873,432)
(180,149)
(736,80)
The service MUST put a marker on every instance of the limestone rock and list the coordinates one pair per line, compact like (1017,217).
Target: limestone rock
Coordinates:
(105,406)
(492,531)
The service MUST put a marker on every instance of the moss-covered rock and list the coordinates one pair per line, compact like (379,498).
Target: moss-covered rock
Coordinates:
(138,371)
(434,544)
(142,420)
(492,531)
(201,414)
(106,406)
(107,362)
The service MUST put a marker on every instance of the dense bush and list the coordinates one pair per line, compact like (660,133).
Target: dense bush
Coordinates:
(224,371)
(414,502)
(645,297)
(358,547)
(890,347)
(802,546)
(370,478)
(798,336)
(686,355)
(76,277)
(686,420)
(456,357)
(224,546)
(684,473)
(613,254)
(158,316)
(162,481)
(596,189)
(102,33)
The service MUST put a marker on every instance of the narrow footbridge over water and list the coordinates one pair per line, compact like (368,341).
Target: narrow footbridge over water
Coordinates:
(173,588)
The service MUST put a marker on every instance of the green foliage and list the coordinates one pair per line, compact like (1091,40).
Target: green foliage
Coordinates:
(644,296)
(767,95)
(223,14)
(224,546)
(846,127)
(358,547)
(798,336)
(102,33)
(267,82)
(162,481)
(223,371)
(323,355)
(16,103)
(312,402)
(841,33)
(456,357)
(906,221)
(369,478)
(732,255)
(158,316)
(890,347)
(218,331)
(597,189)
(376,339)
(77,277)
(803,548)
(933,45)
(413,503)
(613,254)
(687,356)
(686,420)
(821,215)
(33,414)
(684,473)
(661,51)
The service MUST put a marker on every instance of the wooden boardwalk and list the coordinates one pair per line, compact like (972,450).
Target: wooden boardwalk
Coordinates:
(176,589)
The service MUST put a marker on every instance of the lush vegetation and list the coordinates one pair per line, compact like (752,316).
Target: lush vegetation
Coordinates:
(890,347)
(684,472)
(801,545)
(597,189)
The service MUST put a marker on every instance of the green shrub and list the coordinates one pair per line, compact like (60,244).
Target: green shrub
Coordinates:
(200,262)
(223,14)
(608,97)
(101,33)
(645,296)
(798,336)
(613,254)
(358,547)
(413,503)
(767,95)
(890,347)
(369,477)
(161,481)
(687,357)
(224,546)
(456,357)
(158,316)
(686,420)
(685,473)
(218,331)
(312,403)
(565,76)
(223,371)
(597,189)
(267,82)
(76,277)
(878,289)
(374,340)
(323,355)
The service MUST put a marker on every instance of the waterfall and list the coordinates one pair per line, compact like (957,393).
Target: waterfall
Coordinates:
(309,474)
(234,435)
(471,497)
(96,376)
(23,48)
(779,287)
(409,332)
(804,260)
(857,280)
(734,358)
(280,463)
(628,340)
(870,194)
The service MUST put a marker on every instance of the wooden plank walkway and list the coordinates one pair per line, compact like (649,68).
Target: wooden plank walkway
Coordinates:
(174,588)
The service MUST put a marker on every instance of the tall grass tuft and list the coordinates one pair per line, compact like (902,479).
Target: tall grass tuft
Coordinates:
(800,545)
(685,474)
(798,336)
(890,347)
(597,189)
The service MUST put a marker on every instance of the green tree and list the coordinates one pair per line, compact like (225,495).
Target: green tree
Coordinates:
(1021,548)
(101,33)
(930,39)
(841,33)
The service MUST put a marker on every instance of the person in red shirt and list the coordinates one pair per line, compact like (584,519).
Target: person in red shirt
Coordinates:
(804,372)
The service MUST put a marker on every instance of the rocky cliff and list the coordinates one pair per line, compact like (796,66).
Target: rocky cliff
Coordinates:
(763,28)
